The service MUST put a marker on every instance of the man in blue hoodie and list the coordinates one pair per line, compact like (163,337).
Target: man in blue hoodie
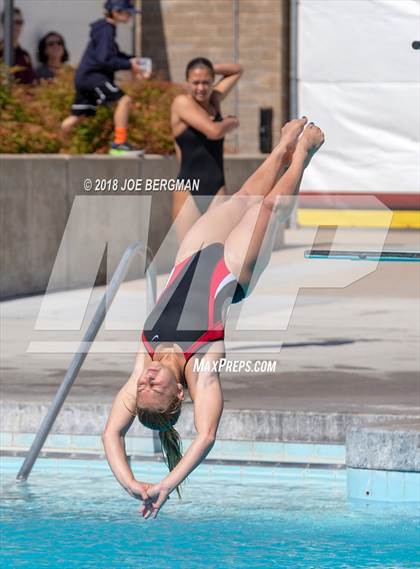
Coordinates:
(95,76)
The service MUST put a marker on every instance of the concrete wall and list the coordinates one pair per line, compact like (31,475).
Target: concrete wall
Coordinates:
(38,194)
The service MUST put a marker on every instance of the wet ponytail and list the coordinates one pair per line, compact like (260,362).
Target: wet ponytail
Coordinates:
(168,435)
(171,449)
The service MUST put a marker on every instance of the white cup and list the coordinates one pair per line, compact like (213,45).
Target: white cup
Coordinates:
(145,64)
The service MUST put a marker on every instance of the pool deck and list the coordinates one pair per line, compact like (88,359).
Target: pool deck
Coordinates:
(346,347)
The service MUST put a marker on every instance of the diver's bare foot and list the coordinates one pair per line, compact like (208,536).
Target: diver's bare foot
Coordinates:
(310,142)
(290,136)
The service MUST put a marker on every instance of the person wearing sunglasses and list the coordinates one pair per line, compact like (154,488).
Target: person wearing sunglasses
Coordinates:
(52,53)
(23,72)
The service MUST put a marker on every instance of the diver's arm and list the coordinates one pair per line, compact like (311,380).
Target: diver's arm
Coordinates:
(113,437)
(119,421)
(208,407)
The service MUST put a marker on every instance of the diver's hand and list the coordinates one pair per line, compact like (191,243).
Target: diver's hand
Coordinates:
(138,490)
(156,497)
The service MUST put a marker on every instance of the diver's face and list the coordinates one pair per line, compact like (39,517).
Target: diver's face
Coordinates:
(200,83)
(157,387)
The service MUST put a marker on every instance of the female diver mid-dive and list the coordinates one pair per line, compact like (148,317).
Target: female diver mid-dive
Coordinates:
(187,323)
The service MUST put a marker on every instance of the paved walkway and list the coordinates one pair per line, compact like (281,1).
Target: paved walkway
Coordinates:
(344,334)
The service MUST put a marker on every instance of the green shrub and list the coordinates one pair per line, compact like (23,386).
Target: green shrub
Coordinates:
(30,118)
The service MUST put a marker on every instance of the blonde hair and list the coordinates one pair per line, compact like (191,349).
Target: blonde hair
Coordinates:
(164,421)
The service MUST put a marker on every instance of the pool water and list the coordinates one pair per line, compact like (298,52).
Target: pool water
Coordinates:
(74,514)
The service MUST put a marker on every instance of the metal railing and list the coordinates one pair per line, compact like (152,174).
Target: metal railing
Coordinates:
(80,356)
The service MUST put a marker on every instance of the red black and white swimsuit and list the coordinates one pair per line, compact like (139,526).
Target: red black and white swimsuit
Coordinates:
(192,308)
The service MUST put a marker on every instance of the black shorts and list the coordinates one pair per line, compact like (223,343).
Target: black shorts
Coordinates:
(86,100)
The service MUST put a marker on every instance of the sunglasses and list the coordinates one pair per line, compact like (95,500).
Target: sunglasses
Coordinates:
(18,22)
(50,43)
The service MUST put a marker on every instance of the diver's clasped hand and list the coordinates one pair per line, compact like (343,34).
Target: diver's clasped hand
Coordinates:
(157,495)
(138,490)
(152,495)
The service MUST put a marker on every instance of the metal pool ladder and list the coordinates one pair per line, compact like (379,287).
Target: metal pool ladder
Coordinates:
(72,371)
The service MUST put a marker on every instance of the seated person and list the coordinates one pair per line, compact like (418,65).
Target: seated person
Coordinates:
(52,53)
(22,60)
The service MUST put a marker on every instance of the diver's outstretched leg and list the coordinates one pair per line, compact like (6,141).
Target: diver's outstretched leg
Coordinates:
(220,220)
(248,247)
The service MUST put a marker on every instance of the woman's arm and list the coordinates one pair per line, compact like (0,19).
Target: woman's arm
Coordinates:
(208,407)
(113,438)
(231,74)
(193,115)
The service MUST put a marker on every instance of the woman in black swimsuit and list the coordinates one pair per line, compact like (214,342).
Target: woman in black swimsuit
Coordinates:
(224,249)
(199,130)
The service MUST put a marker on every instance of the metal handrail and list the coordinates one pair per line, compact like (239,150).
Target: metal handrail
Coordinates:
(81,354)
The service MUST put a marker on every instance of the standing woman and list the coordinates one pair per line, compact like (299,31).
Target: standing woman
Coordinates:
(199,130)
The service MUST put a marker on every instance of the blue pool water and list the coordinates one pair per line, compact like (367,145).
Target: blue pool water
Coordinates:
(73,514)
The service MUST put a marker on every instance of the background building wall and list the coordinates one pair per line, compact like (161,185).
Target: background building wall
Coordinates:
(190,29)
(263,51)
